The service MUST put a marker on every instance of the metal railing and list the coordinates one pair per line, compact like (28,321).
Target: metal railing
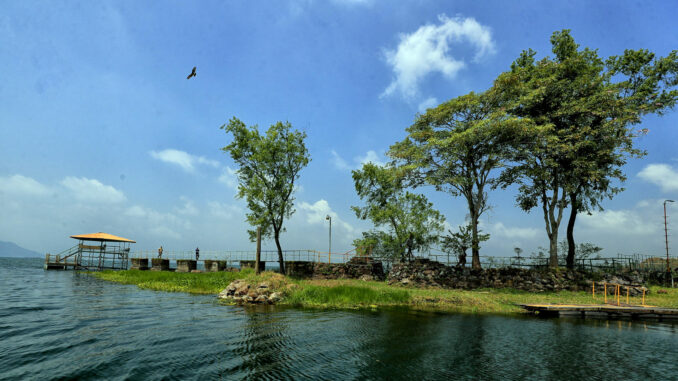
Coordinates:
(232,256)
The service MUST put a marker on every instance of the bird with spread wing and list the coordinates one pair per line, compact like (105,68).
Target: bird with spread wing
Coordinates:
(192,73)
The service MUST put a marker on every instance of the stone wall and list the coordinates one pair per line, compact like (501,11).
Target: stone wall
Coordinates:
(356,268)
(427,273)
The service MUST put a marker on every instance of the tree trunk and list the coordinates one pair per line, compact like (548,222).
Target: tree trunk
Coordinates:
(280,254)
(570,230)
(553,249)
(475,245)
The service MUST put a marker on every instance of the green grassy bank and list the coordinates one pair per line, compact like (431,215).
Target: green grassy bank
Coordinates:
(348,293)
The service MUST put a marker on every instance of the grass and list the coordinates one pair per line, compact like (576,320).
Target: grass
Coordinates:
(351,293)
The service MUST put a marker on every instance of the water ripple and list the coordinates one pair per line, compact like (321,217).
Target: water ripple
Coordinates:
(65,325)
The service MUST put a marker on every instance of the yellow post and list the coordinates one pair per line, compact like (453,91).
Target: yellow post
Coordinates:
(618,292)
(593,289)
(627,295)
(605,285)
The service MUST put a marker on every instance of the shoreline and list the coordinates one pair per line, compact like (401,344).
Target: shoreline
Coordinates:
(359,294)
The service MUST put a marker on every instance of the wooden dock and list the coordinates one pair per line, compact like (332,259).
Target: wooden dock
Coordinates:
(603,310)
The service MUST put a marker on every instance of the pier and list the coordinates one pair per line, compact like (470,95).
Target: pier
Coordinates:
(603,310)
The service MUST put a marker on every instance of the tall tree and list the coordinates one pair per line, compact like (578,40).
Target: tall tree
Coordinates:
(410,221)
(585,111)
(456,147)
(268,167)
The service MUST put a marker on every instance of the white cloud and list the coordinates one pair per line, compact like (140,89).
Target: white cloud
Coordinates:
(163,225)
(514,232)
(618,222)
(188,208)
(662,175)
(186,161)
(229,177)
(316,213)
(427,103)
(427,51)
(92,191)
(339,162)
(369,157)
(22,186)
(223,210)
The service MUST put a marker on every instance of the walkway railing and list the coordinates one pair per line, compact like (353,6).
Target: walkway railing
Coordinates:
(233,256)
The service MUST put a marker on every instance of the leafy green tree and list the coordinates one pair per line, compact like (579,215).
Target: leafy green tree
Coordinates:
(268,167)
(410,222)
(457,147)
(583,250)
(583,112)
(459,242)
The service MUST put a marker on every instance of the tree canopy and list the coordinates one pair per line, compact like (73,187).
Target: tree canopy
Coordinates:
(582,110)
(457,147)
(408,221)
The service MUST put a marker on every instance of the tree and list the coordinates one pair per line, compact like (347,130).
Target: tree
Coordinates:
(456,147)
(584,250)
(583,118)
(459,242)
(410,221)
(269,166)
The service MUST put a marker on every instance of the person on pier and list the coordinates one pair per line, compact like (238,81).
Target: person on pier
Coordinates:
(160,252)
(197,254)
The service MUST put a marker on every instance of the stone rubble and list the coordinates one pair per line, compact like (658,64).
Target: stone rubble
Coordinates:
(242,292)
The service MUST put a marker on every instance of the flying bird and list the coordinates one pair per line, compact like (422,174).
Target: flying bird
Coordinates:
(192,73)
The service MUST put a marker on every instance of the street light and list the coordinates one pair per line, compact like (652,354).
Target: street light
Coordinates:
(666,238)
(328,218)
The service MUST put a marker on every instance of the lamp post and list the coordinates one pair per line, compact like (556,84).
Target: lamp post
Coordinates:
(666,238)
(329,253)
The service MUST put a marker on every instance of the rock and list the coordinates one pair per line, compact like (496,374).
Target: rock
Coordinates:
(274,297)
(366,277)
(261,299)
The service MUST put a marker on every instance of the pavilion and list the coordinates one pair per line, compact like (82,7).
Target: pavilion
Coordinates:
(96,251)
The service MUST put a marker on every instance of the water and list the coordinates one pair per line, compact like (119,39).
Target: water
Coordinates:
(56,325)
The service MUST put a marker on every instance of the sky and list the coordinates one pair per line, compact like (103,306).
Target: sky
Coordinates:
(101,131)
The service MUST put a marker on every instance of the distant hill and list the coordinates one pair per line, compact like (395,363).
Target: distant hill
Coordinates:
(11,249)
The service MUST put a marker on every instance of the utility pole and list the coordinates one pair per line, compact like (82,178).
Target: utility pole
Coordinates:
(258,257)
(666,238)
(329,253)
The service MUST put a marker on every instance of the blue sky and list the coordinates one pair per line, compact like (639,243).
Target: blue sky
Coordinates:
(101,131)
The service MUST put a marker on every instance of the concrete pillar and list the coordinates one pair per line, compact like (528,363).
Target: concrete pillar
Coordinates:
(139,264)
(251,264)
(186,265)
(159,264)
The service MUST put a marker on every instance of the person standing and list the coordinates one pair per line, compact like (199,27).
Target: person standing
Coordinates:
(197,253)
(160,252)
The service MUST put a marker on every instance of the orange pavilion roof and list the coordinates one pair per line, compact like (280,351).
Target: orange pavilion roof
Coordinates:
(103,237)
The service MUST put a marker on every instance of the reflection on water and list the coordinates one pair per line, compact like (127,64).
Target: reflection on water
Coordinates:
(63,324)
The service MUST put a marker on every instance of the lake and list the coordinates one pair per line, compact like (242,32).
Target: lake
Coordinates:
(62,324)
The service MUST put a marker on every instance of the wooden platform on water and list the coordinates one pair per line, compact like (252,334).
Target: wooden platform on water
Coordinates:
(603,310)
